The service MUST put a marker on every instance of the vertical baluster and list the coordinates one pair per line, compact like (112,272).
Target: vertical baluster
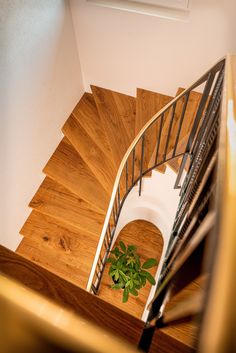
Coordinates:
(186,96)
(159,136)
(106,243)
(200,110)
(193,132)
(141,165)
(108,237)
(133,163)
(114,215)
(115,206)
(118,196)
(109,231)
(126,176)
(169,130)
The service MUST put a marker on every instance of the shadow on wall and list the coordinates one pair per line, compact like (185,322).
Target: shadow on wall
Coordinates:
(42,82)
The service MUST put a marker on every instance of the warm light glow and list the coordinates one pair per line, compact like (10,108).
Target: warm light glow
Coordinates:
(231,130)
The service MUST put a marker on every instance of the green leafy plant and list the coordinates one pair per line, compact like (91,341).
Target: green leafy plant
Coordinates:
(127,272)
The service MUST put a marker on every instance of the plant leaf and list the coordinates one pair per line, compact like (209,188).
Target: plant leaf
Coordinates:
(116,252)
(125,295)
(132,248)
(122,246)
(117,275)
(117,285)
(143,281)
(133,291)
(149,263)
(111,260)
(124,277)
(150,278)
(127,284)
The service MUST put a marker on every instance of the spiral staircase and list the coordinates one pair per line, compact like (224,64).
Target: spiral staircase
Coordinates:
(110,146)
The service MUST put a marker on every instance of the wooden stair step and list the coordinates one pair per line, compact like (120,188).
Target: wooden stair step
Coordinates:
(117,112)
(70,296)
(55,200)
(149,242)
(148,104)
(38,253)
(69,169)
(74,246)
(87,115)
(101,166)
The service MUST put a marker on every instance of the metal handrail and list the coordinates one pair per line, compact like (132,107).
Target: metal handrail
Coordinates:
(107,234)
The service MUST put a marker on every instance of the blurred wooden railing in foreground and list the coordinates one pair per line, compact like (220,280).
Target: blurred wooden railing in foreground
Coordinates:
(218,329)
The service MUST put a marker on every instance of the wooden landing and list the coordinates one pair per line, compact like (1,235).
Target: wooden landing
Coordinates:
(149,241)
(71,297)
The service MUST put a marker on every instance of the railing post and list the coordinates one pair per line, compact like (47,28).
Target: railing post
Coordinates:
(141,165)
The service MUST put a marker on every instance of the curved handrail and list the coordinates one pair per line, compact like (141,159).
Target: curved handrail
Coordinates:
(208,77)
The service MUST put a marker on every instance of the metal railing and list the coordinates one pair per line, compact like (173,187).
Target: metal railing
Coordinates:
(203,239)
(167,128)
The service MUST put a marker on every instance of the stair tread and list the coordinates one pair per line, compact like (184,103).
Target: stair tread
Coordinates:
(37,252)
(133,234)
(87,115)
(117,112)
(101,166)
(68,168)
(70,296)
(78,246)
(55,200)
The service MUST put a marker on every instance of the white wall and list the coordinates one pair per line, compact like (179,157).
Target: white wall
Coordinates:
(40,84)
(122,50)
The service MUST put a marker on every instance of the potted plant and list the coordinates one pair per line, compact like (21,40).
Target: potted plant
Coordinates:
(127,272)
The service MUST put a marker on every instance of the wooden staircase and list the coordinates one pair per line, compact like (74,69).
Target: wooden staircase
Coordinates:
(69,208)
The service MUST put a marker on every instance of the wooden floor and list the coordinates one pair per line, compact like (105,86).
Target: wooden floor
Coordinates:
(149,241)
(58,247)
(69,296)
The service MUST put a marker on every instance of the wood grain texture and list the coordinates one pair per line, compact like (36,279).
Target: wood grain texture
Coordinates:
(117,112)
(182,335)
(87,115)
(54,200)
(101,166)
(148,104)
(70,296)
(59,263)
(67,168)
(73,247)
(162,343)
(149,241)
